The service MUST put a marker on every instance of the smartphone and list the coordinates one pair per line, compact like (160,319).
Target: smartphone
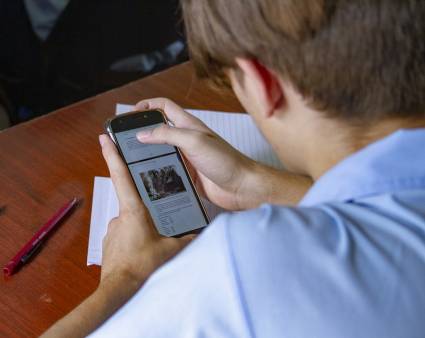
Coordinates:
(159,173)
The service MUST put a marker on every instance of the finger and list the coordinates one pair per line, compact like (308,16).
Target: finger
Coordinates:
(194,175)
(190,168)
(186,139)
(126,192)
(178,116)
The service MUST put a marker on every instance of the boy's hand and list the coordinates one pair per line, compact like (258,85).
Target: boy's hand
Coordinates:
(222,174)
(132,247)
(219,171)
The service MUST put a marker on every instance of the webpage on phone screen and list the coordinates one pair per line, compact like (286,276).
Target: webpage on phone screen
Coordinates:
(163,184)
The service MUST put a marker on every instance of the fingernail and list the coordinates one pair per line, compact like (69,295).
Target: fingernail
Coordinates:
(102,140)
(143,135)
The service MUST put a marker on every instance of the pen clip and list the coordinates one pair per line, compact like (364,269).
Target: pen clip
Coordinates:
(28,256)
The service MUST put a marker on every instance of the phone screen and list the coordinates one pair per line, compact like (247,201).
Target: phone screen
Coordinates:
(163,183)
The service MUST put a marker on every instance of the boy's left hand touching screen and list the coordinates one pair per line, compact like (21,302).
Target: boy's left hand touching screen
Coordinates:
(132,251)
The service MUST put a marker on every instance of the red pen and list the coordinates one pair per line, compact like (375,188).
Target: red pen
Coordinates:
(36,241)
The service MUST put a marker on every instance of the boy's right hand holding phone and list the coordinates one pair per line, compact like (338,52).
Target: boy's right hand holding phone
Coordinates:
(225,176)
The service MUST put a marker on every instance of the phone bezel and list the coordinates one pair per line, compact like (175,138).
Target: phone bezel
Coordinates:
(144,118)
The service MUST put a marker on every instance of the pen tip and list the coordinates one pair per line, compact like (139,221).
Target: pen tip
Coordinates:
(7,271)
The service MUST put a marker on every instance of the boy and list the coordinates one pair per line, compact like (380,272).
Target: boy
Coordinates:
(337,89)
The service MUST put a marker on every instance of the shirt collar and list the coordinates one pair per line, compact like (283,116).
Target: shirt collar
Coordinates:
(394,163)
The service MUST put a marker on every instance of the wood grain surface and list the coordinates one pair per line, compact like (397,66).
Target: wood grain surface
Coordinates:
(46,162)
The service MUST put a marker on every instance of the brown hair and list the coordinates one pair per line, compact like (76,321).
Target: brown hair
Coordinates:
(358,60)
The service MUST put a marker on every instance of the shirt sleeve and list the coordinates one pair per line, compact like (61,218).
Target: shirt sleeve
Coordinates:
(193,295)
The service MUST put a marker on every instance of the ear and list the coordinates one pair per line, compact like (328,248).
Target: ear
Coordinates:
(266,84)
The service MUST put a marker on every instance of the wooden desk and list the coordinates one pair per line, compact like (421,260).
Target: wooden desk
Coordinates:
(44,163)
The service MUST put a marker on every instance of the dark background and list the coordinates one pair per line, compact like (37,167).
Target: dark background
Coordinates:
(37,77)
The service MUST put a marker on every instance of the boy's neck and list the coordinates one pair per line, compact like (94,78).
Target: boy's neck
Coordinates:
(341,145)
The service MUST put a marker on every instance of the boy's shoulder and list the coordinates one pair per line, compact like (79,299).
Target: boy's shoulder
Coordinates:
(340,264)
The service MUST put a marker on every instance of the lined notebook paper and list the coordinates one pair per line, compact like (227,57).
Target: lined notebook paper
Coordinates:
(237,129)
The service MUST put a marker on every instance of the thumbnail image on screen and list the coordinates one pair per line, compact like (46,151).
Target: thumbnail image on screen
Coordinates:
(163,182)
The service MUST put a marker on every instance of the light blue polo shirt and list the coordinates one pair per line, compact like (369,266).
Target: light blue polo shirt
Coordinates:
(349,261)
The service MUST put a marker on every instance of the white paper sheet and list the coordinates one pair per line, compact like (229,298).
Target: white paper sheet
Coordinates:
(237,129)
(104,208)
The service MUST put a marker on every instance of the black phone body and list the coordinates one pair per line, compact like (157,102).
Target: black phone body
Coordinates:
(160,175)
